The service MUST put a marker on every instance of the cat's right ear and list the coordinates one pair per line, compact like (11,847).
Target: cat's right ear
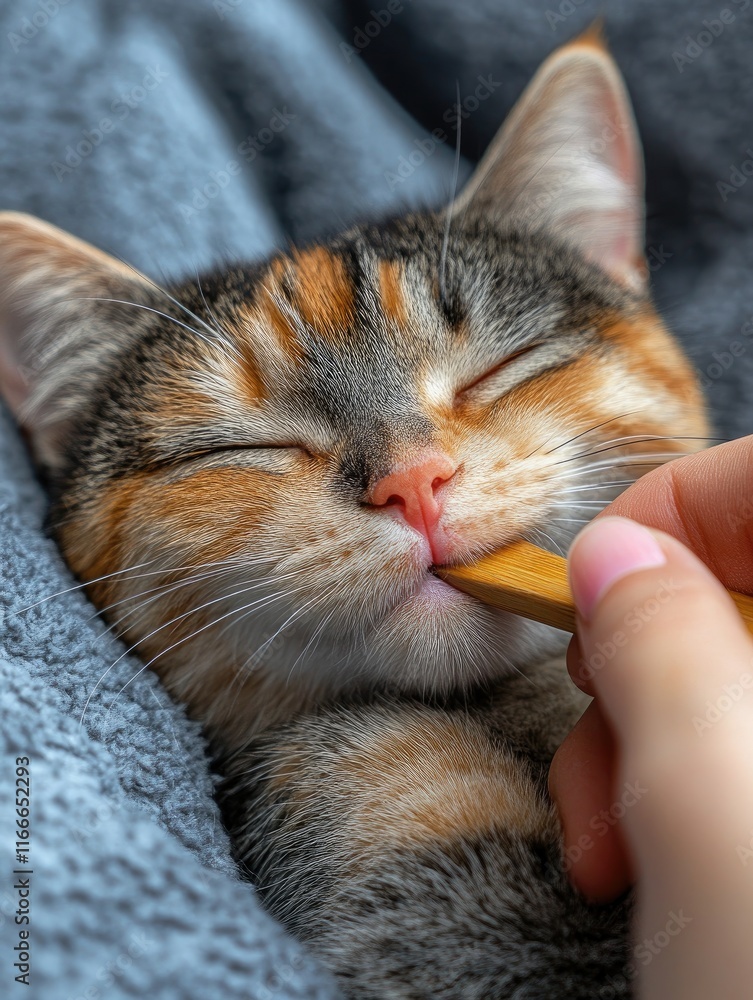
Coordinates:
(568,162)
(56,338)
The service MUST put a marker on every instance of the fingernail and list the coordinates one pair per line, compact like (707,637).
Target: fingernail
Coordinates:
(603,553)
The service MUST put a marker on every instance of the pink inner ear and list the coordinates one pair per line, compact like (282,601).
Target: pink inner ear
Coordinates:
(14,387)
(615,250)
(568,161)
(626,259)
(624,153)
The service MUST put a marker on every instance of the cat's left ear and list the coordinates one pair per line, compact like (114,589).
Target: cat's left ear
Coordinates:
(568,161)
(59,326)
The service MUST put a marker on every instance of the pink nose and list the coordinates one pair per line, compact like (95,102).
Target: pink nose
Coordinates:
(412,489)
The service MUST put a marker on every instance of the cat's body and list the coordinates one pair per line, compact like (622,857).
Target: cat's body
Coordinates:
(256,472)
(416,850)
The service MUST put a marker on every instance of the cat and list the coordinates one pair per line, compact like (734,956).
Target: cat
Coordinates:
(255,472)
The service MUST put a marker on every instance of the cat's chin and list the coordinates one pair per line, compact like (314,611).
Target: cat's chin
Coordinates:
(432,596)
(433,591)
(440,639)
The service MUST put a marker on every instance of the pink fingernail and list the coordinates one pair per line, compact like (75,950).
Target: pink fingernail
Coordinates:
(603,553)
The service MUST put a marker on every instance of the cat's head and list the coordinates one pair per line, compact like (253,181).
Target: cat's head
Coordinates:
(265,465)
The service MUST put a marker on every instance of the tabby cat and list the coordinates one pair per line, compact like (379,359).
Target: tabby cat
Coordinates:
(255,473)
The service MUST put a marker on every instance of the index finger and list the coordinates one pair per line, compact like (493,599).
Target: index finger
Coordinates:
(703,500)
(706,502)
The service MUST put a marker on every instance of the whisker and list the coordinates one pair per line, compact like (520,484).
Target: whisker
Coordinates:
(595,486)
(172,621)
(628,462)
(634,439)
(448,220)
(261,601)
(575,437)
(79,586)
(166,590)
(181,305)
(550,539)
(243,673)
(270,639)
(314,602)
(221,331)
(220,566)
(318,633)
(213,342)
(580,503)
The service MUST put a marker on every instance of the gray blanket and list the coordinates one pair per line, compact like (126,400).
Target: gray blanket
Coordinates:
(177,134)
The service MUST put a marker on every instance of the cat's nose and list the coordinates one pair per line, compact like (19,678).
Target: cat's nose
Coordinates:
(413,490)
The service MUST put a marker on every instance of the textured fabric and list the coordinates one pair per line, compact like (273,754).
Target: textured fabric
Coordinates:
(179,134)
(133,893)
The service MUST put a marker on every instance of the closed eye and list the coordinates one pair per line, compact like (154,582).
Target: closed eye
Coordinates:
(227,452)
(506,362)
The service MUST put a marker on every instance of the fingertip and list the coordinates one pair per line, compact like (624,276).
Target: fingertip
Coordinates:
(603,553)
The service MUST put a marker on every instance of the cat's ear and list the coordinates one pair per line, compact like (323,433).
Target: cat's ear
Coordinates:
(56,336)
(568,161)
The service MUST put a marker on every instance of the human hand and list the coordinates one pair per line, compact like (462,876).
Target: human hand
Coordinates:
(657,777)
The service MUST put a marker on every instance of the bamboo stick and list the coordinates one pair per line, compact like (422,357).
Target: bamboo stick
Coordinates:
(532,582)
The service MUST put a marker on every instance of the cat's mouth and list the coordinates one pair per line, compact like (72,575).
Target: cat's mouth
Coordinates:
(457,550)
(432,589)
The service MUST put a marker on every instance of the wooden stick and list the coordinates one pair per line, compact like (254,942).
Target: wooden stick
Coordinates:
(531,582)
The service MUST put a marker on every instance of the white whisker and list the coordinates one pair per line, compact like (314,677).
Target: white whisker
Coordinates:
(610,484)
(595,427)
(448,220)
(212,342)
(263,601)
(172,621)
(80,586)
(158,593)
(628,440)
(177,302)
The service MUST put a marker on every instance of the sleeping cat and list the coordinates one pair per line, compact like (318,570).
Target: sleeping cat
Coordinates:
(255,473)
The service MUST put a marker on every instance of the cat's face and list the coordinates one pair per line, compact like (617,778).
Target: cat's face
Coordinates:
(270,461)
